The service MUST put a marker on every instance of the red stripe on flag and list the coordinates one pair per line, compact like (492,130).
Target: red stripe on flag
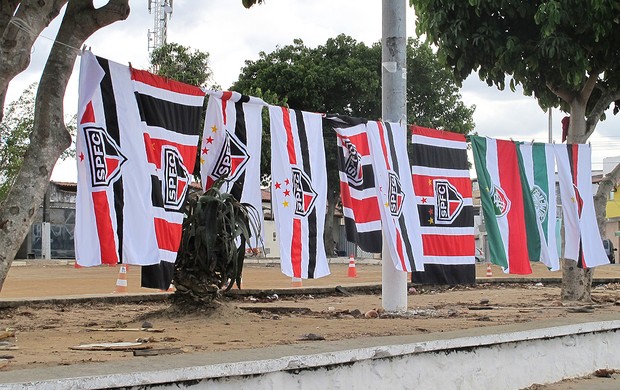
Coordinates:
(426,132)
(383,145)
(164,83)
(424,186)
(89,114)
(444,245)
(365,209)
(290,143)
(360,141)
(510,181)
(226,95)
(154,146)
(399,250)
(105,231)
(296,246)
(168,234)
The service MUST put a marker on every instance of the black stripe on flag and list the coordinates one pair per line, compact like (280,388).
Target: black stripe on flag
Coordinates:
(113,130)
(438,157)
(401,219)
(441,274)
(371,241)
(242,136)
(176,117)
(312,229)
(464,219)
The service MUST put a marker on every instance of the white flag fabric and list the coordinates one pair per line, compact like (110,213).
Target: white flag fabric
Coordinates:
(299,191)
(388,147)
(582,241)
(113,204)
(231,148)
(539,165)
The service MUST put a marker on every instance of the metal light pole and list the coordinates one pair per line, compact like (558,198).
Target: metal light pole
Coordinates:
(394,109)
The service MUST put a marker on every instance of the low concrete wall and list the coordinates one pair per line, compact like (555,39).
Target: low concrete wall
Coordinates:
(503,357)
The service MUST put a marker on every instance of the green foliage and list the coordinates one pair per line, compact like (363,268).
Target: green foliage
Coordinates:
(180,63)
(15,130)
(550,47)
(343,76)
(210,258)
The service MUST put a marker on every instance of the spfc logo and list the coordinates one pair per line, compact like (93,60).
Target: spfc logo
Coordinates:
(448,202)
(176,178)
(501,203)
(232,159)
(352,164)
(541,205)
(104,156)
(305,195)
(395,195)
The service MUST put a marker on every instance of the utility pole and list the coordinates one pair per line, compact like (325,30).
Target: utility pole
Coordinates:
(393,109)
(162,11)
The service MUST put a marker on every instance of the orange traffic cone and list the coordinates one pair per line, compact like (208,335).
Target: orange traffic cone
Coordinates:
(352,271)
(121,281)
(296,282)
(489,270)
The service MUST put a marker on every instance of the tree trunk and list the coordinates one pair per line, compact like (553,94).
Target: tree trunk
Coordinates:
(49,137)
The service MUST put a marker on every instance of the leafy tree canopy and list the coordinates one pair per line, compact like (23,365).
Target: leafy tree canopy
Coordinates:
(564,53)
(180,63)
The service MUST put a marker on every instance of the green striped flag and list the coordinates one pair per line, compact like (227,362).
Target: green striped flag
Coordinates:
(539,164)
(509,213)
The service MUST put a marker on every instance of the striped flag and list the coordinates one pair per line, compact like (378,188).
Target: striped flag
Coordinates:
(360,205)
(443,190)
(388,147)
(509,213)
(539,164)
(582,241)
(170,113)
(299,191)
(231,148)
(113,208)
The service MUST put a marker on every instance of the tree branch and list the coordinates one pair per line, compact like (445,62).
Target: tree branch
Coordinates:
(588,86)
(563,94)
(601,105)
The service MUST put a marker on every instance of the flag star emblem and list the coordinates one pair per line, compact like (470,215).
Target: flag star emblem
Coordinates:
(431,221)
(214,129)
(210,140)
(287,182)
(287,193)
(387,204)
(285,203)
(278,185)
(572,199)
(430,182)
(81,156)
(205,151)
(202,160)
(424,200)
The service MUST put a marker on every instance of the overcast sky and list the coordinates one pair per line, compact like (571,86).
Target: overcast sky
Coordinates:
(231,35)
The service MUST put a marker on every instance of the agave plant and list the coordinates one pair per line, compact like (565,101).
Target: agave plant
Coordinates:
(210,258)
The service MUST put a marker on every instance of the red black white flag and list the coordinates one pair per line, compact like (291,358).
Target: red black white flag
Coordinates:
(360,204)
(299,191)
(231,149)
(443,190)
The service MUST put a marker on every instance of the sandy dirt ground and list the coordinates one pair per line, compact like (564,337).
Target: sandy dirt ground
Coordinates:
(46,333)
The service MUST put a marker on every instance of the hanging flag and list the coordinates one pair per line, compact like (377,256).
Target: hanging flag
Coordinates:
(299,191)
(113,208)
(388,147)
(170,113)
(539,164)
(509,214)
(360,205)
(443,190)
(231,148)
(582,241)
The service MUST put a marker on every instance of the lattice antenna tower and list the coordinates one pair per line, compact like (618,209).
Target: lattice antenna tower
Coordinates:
(162,11)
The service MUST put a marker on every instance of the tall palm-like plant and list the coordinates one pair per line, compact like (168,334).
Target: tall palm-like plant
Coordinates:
(210,258)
